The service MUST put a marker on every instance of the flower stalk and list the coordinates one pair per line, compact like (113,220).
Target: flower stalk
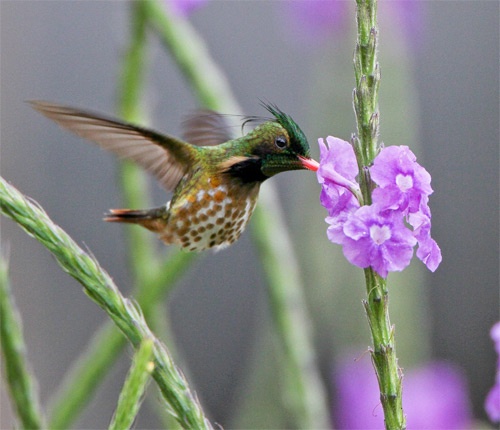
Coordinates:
(304,394)
(153,276)
(99,286)
(134,387)
(366,146)
(20,382)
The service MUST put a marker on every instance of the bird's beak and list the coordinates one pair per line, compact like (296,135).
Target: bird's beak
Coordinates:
(309,163)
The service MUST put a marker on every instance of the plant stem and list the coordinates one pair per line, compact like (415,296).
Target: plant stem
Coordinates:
(86,375)
(20,382)
(148,267)
(367,73)
(134,182)
(133,390)
(209,83)
(304,396)
(99,286)
(153,277)
(384,360)
(106,345)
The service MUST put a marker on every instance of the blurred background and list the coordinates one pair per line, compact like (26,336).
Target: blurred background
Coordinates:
(439,94)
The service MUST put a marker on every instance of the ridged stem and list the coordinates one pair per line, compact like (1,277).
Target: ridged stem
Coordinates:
(99,286)
(19,381)
(153,276)
(304,394)
(367,73)
(106,346)
(134,387)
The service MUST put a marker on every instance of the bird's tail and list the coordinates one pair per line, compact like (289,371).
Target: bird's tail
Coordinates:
(152,219)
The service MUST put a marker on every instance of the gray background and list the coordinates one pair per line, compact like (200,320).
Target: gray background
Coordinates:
(70,52)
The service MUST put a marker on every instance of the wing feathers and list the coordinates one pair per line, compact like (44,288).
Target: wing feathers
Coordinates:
(165,157)
(206,127)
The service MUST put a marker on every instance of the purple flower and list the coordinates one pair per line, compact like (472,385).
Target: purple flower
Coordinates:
(495,335)
(337,174)
(428,250)
(377,239)
(492,403)
(376,235)
(185,7)
(402,181)
(434,397)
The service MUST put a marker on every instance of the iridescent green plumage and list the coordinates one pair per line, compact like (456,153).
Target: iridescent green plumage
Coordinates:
(215,179)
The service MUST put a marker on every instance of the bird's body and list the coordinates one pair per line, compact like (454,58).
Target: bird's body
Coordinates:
(215,179)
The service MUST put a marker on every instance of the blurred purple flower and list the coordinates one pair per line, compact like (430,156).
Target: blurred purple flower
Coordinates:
(319,18)
(492,403)
(185,7)
(434,397)
(406,15)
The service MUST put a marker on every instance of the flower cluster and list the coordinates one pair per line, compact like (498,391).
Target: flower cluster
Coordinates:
(492,404)
(378,235)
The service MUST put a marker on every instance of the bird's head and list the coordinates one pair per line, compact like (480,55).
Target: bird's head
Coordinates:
(275,146)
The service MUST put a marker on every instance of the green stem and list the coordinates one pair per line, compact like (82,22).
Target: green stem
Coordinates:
(367,73)
(99,286)
(107,344)
(20,382)
(305,394)
(154,277)
(86,375)
(191,54)
(150,276)
(134,387)
(134,182)
(161,325)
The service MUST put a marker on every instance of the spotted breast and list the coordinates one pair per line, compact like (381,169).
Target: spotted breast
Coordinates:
(213,216)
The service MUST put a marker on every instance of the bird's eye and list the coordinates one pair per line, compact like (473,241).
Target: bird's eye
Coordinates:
(280,142)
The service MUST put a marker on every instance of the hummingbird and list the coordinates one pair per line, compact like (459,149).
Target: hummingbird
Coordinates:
(215,178)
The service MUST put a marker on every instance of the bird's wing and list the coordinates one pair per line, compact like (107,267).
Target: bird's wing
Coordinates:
(206,128)
(165,157)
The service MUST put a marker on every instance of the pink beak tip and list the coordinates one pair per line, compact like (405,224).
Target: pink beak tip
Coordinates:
(309,163)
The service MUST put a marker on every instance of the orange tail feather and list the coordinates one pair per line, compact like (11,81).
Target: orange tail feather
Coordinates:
(150,219)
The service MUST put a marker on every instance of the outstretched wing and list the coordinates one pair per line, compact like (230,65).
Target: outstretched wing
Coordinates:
(165,157)
(206,128)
